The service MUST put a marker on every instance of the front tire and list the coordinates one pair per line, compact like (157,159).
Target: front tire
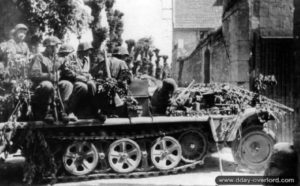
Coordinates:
(253,150)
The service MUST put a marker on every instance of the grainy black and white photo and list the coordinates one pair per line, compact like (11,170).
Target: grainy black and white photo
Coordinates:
(149,92)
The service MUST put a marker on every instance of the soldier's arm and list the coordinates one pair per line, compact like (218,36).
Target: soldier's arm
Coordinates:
(36,73)
(123,65)
(66,72)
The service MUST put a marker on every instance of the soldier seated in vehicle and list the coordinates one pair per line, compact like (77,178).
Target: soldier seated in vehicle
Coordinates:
(120,77)
(161,98)
(83,85)
(43,74)
(83,53)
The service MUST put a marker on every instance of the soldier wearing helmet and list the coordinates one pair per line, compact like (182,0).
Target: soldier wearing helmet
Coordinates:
(43,73)
(83,86)
(83,53)
(161,98)
(115,63)
(14,53)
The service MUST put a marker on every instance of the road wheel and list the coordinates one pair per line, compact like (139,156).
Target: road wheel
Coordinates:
(80,158)
(254,149)
(166,153)
(194,145)
(124,155)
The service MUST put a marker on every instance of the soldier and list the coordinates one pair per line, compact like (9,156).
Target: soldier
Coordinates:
(118,62)
(43,73)
(15,52)
(84,88)
(115,63)
(119,71)
(83,53)
(161,98)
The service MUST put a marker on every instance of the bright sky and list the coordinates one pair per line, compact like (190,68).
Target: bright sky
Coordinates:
(144,18)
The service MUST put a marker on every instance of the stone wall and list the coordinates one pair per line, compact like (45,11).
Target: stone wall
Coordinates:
(275,17)
(241,20)
(229,49)
(193,68)
(220,64)
(236,35)
(189,38)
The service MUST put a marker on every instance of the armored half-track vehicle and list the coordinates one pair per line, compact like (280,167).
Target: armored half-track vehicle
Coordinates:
(141,144)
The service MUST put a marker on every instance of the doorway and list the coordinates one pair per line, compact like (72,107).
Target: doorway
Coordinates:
(207,66)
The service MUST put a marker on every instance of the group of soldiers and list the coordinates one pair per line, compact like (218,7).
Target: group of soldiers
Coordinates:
(64,81)
(59,73)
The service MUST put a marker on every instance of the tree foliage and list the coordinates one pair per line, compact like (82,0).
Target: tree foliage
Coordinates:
(54,16)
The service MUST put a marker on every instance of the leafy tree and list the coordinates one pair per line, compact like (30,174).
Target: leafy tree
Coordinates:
(54,16)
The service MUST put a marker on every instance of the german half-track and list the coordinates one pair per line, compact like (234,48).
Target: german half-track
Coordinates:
(142,144)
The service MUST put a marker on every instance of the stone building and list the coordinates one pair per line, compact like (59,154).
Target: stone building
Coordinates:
(256,36)
(192,20)
(226,55)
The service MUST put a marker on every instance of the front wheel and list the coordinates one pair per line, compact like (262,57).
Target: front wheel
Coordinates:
(254,149)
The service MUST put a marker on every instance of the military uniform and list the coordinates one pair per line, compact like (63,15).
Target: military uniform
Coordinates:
(84,56)
(83,87)
(15,54)
(161,97)
(115,66)
(42,73)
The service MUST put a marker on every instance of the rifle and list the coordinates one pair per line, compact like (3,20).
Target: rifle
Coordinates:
(184,95)
(106,64)
(58,106)
(103,47)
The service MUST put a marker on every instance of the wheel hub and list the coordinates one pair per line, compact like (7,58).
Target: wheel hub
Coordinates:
(124,155)
(80,158)
(192,146)
(254,149)
(166,153)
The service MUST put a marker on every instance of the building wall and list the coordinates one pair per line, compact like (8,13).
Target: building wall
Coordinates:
(192,71)
(193,68)
(275,17)
(229,51)
(184,42)
(236,36)
(241,20)
(220,64)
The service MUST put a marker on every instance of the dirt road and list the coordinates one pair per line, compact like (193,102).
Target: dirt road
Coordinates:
(11,174)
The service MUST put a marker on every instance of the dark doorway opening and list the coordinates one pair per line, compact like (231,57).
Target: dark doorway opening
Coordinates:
(207,66)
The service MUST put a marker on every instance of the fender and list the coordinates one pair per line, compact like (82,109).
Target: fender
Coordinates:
(249,112)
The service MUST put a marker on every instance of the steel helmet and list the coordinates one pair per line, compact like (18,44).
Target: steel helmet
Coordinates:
(84,46)
(65,48)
